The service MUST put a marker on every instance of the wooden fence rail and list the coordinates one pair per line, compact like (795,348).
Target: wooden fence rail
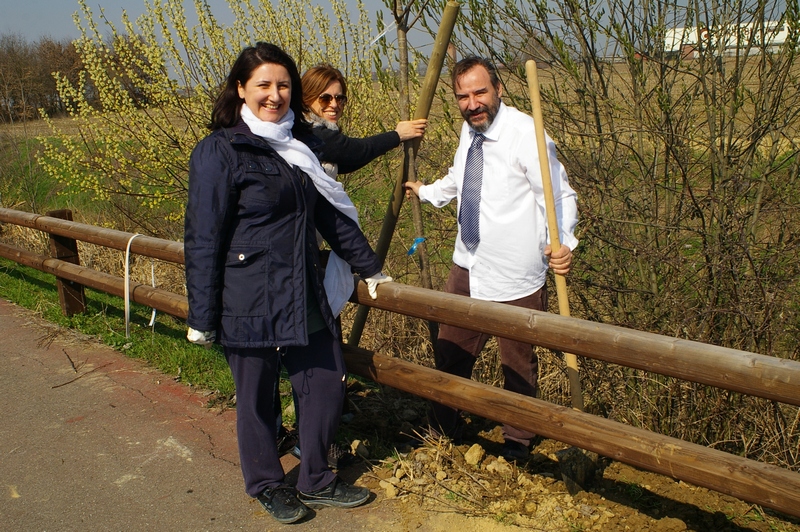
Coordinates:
(157,248)
(768,485)
(161,300)
(741,371)
(746,479)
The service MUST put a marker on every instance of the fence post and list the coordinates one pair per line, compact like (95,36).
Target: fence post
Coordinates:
(70,294)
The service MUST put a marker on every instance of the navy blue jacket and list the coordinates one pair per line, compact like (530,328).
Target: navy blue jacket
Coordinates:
(249,242)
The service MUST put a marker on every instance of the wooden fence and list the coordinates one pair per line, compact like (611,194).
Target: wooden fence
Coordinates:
(750,373)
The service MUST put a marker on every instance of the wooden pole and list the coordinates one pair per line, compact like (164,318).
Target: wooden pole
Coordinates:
(161,300)
(773,378)
(552,225)
(424,103)
(752,481)
(157,248)
(71,295)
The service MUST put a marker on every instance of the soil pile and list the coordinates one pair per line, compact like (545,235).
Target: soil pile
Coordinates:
(474,485)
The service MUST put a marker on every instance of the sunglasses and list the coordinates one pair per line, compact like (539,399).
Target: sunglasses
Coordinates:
(326,99)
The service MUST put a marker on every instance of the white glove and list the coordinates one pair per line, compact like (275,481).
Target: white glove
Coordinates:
(204,338)
(374,281)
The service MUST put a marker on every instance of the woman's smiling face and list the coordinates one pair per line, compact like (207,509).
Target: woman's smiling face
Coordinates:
(330,104)
(268,92)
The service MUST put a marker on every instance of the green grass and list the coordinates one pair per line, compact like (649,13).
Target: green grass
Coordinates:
(164,346)
(24,185)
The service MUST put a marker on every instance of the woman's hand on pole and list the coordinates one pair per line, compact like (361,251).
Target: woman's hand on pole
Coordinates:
(374,281)
(411,129)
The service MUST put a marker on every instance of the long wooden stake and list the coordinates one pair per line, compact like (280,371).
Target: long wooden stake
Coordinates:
(552,224)
(423,109)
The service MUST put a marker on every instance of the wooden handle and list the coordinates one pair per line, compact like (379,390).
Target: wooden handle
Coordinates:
(552,223)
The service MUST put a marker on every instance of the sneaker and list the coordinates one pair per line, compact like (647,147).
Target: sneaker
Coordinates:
(514,450)
(282,504)
(339,456)
(338,493)
(287,439)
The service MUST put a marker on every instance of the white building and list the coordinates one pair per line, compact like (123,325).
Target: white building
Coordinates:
(726,39)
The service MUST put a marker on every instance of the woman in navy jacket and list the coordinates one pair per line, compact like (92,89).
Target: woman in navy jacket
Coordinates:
(257,196)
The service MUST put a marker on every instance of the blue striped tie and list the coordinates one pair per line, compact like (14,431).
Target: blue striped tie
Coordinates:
(469,213)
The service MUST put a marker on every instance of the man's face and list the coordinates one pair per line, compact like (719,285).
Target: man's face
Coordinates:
(478,100)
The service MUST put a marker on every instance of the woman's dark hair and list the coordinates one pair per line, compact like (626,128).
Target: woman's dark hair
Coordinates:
(470,62)
(317,79)
(228,106)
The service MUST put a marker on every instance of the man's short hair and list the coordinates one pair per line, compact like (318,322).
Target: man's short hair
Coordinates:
(468,63)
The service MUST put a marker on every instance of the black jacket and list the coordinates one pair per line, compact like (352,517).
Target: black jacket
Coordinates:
(349,153)
(250,237)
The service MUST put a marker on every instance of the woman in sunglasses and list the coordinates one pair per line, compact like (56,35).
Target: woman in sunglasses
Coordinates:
(325,94)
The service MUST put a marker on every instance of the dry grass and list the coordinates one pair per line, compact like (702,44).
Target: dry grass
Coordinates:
(39,128)
(168,276)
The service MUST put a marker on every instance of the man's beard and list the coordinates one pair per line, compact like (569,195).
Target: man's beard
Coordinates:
(491,112)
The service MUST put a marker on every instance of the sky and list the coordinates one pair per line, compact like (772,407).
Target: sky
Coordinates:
(33,19)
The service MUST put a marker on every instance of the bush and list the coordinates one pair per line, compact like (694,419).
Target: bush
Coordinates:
(686,169)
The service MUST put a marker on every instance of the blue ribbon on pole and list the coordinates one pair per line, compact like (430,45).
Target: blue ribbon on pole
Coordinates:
(413,248)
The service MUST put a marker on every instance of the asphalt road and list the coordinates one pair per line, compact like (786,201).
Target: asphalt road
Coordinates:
(93,440)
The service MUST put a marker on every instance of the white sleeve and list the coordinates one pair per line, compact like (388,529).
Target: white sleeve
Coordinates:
(564,196)
(440,192)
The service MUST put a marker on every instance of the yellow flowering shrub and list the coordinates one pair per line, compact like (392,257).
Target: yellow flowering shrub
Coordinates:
(147,88)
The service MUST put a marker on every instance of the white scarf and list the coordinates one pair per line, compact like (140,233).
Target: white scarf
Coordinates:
(338,277)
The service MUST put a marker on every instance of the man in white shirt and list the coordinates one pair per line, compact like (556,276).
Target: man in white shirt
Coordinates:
(501,251)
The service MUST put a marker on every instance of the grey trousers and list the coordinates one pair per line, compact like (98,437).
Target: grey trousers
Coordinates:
(457,350)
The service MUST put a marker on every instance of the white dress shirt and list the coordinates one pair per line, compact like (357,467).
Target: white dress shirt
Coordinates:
(509,262)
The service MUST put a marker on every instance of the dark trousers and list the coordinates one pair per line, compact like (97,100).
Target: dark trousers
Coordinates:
(457,350)
(317,374)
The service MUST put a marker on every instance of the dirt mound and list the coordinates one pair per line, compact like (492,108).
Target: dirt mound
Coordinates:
(470,487)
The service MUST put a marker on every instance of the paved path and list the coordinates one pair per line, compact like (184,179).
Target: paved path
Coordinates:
(110,444)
